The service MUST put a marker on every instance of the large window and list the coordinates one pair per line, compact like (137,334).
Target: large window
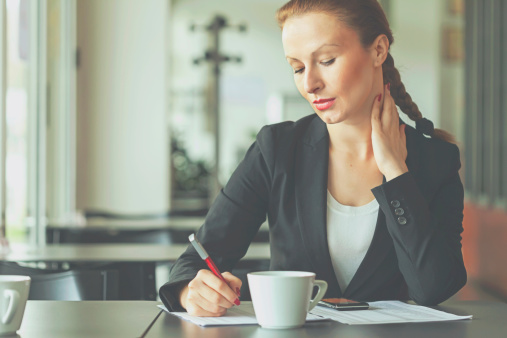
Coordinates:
(38,72)
(16,117)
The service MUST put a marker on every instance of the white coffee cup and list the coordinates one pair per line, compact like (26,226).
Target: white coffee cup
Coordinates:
(281,299)
(13,296)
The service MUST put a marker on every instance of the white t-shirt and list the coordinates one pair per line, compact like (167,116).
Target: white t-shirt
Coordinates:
(349,234)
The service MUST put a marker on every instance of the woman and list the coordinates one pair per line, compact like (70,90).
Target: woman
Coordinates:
(369,204)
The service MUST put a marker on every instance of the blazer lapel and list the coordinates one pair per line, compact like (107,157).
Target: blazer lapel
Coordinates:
(311,198)
(382,242)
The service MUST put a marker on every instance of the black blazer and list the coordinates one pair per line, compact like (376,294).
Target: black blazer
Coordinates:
(416,248)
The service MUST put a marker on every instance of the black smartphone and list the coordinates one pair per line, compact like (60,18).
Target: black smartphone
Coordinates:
(342,304)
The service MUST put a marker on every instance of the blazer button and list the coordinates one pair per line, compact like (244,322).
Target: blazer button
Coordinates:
(395,203)
(399,211)
(402,220)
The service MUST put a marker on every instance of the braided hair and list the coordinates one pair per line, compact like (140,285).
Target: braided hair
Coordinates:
(367,18)
(407,106)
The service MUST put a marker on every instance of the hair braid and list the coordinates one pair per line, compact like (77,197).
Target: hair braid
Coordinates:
(398,92)
(404,100)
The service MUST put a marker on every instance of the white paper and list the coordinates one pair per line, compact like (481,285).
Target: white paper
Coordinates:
(237,315)
(386,312)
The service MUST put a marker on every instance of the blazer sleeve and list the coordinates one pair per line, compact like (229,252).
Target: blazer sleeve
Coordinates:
(427,234)
(232,221)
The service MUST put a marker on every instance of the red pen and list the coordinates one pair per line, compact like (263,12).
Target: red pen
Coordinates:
(204,255)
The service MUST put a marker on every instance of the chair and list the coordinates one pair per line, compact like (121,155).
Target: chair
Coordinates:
(66,285)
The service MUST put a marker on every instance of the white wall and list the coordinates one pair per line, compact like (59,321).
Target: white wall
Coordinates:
(416,52)
(452,81)
(122,140)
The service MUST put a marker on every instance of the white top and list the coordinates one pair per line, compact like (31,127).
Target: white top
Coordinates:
(349,234)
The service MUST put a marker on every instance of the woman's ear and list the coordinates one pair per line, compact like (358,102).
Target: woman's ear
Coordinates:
(380,49)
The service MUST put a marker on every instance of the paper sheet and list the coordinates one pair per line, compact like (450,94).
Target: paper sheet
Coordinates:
(238,315)
(387,312)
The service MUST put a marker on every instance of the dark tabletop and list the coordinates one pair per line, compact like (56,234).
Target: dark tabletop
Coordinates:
(489,320)
(97,319)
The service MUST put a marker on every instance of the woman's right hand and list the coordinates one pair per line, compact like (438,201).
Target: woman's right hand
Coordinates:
(208,296)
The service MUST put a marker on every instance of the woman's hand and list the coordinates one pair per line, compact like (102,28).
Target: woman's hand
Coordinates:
(208,296)
(388,137)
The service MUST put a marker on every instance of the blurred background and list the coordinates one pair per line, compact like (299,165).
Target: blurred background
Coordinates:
(122,116)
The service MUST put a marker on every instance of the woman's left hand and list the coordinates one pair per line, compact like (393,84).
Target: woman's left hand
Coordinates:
(388,137)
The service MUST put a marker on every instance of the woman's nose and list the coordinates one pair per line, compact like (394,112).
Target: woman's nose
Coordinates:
(313,82)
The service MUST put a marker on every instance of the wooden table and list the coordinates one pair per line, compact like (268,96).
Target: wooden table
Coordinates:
(162,230)
(96,223)
(79,253)
(489,322)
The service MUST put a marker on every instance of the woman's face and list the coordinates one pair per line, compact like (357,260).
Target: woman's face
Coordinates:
(331,68)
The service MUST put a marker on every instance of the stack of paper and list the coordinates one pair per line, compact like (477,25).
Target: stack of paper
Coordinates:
(387,312)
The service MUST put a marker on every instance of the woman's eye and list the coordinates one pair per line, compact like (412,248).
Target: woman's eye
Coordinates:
(328,63)
(325,63)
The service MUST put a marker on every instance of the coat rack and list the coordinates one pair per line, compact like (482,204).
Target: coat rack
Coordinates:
(214,58)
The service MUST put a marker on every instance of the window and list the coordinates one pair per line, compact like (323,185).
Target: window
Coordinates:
(39,115)
(16,117)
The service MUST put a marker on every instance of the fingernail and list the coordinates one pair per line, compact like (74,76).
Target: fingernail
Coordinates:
(389,86)
(379,97)
(237,302)
(238,292)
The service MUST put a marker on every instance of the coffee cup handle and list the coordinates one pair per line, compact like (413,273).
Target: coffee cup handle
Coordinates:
(322,285)
(13,296)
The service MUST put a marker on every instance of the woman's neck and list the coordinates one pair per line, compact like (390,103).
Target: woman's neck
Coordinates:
(351,139)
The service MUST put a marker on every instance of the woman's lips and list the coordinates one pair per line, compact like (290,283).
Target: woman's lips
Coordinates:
(323,104)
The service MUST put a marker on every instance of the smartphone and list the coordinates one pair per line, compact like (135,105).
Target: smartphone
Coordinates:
(342,304)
